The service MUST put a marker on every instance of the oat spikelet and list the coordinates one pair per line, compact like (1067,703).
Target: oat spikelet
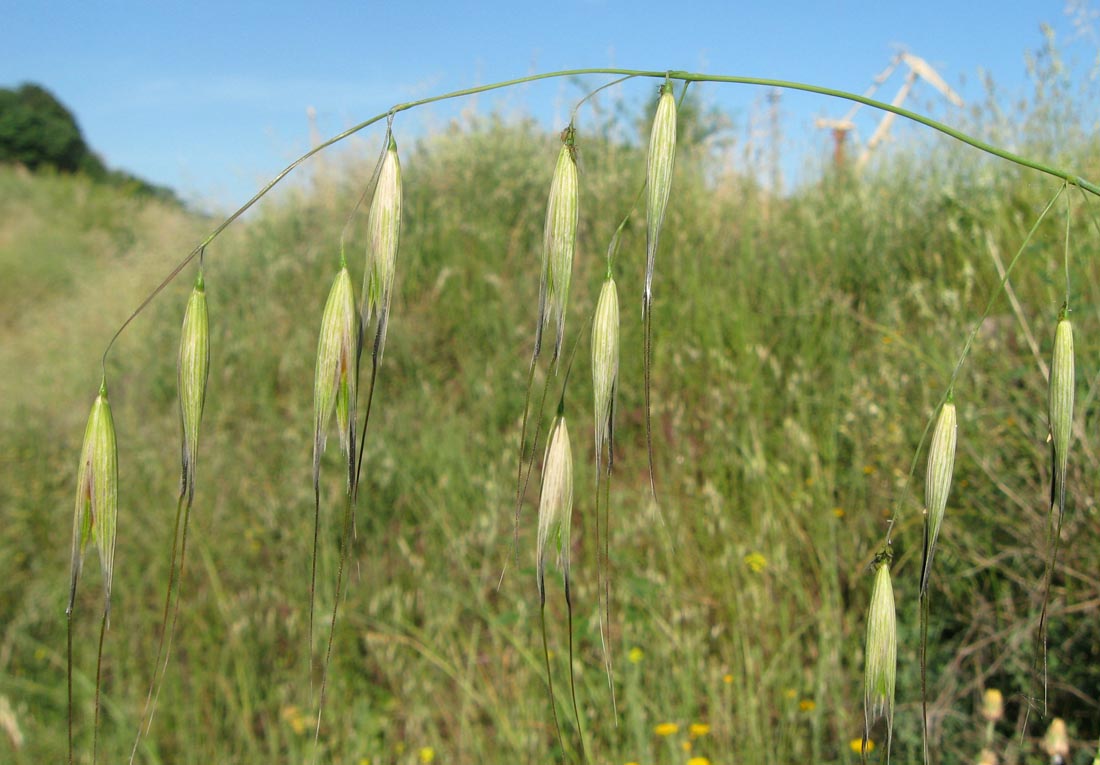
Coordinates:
(605,366)
(937,485)
(1060,404)
(880,660)
(555,502)
(334,385)
(383,235)
(558,243)
(193,372)
(658,178)
(96,511)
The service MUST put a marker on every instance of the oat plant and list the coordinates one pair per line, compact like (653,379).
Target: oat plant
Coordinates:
(559,245)
(94,521)
(336,396)
(192,377)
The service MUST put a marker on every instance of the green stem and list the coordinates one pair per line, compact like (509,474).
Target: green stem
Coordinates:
(1071,179)
(549,676)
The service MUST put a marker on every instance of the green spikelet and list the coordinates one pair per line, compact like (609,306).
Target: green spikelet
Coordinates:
(334,385)
(383,237)
(96,513)
(880,661)
(193,372)
(605,366)
(659,166)
(937,485)
(1062,383)
(558,243)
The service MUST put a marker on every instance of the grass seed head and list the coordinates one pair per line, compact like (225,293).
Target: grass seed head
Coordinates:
(334,385)
(1060,400)
(880,661)
(662,158)
(1056,741)
(96,512)
(383,235)
(555,501)
(193,371)
(937,484)
(605,364)
(559,243)
(993,705)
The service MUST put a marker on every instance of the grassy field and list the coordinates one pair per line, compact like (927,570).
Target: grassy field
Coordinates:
(801,345)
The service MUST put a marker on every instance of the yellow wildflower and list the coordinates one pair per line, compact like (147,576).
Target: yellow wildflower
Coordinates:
(427,754)
(698,729)
(635,655)
(856,745)
(807,705)
(727,679)
(756,562)
(294,718)
(666,729)
(698,761)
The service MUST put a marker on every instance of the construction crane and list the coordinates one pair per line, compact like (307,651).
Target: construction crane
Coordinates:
(919,69)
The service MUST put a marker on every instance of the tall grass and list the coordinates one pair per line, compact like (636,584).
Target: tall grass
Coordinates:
(799,345)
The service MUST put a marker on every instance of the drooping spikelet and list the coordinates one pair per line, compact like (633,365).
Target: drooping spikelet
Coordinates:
(383,235)
(1060,402)
(96,511)
(937,484)
(334,385)
(658,178)
(605,366)
(192,372)
(559,243)
(880,661)
(555,501)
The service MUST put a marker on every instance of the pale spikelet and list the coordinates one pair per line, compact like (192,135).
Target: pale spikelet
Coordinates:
(192,373)
(1056,741)
(605,365)
(880,660)
(993,705)
(937,483)
(555,501)
(1061,406)
(558,243)
(658,178)
(334,385)
(383,235)
(96,495)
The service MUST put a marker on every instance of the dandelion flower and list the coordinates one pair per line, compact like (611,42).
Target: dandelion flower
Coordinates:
(666,729)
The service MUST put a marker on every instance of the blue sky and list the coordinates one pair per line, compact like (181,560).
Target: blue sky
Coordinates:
(211,97)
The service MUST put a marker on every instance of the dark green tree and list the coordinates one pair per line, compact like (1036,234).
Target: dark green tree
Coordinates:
(37,131)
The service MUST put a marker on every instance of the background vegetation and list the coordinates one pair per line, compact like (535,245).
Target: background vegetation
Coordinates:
(801,344)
